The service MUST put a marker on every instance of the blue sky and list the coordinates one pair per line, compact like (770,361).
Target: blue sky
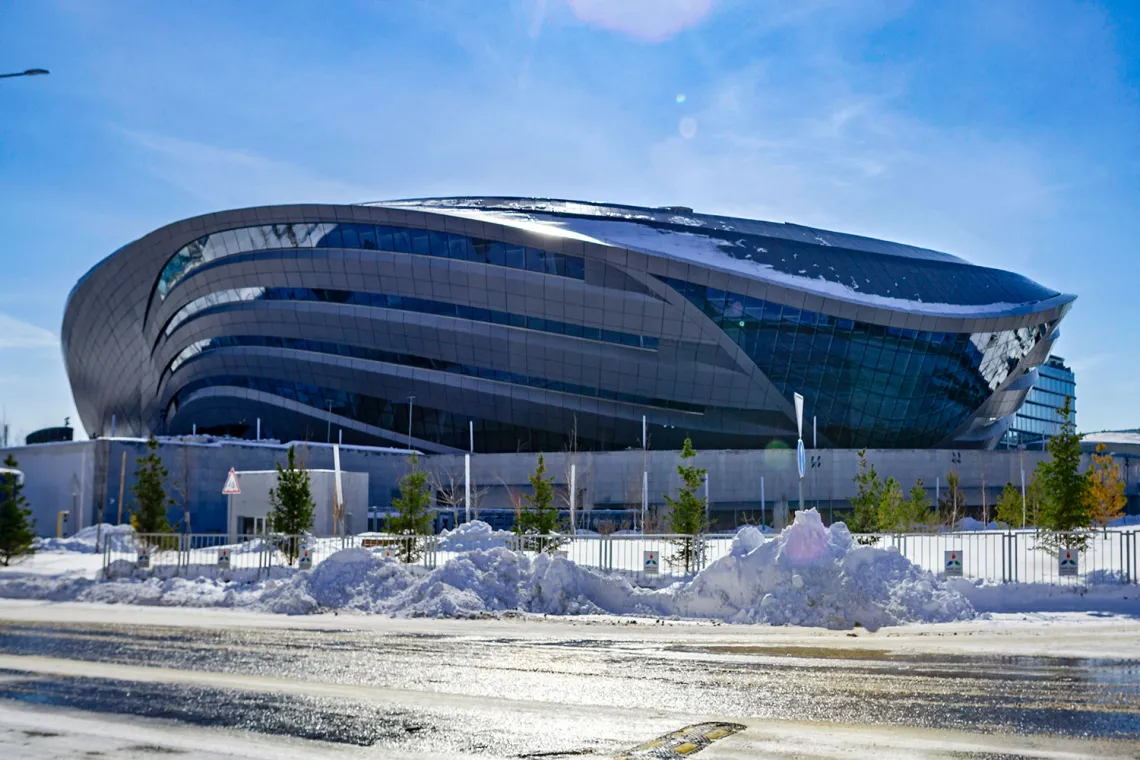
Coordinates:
(1007,132)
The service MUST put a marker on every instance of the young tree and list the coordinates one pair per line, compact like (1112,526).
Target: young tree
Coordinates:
(450,492)
(687,512)
(1009,507)
(538,516)
(953,503)
(181,487)
(17,539)
(149,490)
(413,511)
(864,516)
(1105,498)
(1066,506)
(1034,499)
(292,502)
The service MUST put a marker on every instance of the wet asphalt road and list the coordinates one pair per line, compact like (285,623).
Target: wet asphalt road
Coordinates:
(454,674)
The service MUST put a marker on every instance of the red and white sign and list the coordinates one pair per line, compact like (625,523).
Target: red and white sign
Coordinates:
(231,488)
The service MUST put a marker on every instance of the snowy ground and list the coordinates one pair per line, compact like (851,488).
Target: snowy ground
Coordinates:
(81,678)
(808,575)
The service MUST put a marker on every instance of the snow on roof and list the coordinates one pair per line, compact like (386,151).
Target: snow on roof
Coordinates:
(709,251)
(1129,437)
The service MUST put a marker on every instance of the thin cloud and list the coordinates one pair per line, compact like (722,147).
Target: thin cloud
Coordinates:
(645,20)
(15,333)
(232,177)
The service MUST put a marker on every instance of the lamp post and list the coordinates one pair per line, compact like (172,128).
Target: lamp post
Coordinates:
(28,73)
(411,401)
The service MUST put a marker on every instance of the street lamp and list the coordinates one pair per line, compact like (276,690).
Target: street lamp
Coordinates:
(411,400)
(28,73)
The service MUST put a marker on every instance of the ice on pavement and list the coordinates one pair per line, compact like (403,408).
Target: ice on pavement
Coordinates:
(807,575)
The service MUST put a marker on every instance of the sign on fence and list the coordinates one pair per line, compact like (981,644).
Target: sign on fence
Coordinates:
(953,563)
(1067,559)
(143,561)
(306,559)
(652,562)
(223,559)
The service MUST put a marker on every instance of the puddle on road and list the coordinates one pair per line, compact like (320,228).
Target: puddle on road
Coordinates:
(313,718)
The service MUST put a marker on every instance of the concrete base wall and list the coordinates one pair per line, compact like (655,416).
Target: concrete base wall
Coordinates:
(83,477)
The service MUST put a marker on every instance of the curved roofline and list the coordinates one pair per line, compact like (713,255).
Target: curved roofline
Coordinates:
(870,244)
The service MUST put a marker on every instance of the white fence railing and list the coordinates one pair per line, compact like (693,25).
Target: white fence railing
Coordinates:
(1023,556)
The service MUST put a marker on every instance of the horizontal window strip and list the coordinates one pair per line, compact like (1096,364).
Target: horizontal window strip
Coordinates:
(421,362)
(367,237)
(403,303)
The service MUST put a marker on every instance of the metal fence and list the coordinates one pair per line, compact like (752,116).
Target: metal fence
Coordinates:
(1023,556)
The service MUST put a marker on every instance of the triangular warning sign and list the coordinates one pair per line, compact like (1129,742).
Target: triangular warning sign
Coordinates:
(231,488)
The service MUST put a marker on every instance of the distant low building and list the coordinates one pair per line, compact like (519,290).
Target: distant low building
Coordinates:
(1038,420)
(50,435)
(1125,443)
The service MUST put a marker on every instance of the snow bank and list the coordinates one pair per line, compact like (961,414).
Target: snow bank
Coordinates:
(807,575)
(471,536)
(817,576)
(120,537)
(1106,597)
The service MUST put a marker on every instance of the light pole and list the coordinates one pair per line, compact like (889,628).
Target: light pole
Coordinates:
(411,401)
(328,429)
(816,463)
(28,73)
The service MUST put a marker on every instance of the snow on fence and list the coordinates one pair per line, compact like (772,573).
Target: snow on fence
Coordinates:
(1024,556)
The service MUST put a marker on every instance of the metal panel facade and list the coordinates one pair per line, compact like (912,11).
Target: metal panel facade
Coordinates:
(542,320)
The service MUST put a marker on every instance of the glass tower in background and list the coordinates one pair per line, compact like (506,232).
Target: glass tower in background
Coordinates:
(1037,421)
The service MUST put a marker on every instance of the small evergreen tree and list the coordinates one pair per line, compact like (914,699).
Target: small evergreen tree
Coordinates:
(889,515)
(17,539)
(1105,499)
(413,512)
(149,491)
(538,515)
(687,512)
(917,508)
(292,502)
(868,497)
(1066,506)
(1009,507)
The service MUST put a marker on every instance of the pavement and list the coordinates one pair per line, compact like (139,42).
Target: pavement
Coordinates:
(78,679)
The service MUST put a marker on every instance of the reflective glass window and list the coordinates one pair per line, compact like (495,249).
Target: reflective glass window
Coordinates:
(868,385)
(246,240)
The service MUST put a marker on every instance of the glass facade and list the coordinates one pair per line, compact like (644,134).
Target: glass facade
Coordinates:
(435,425)
(204,304)
(1038,420)
(410,360)
(867,385)
(367,237)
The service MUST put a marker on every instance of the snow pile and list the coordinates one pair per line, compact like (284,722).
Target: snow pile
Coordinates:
(817,576)
(807,575)
(471,536)
(120,537)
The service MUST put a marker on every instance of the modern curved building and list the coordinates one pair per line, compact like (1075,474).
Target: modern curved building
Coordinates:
(538,320)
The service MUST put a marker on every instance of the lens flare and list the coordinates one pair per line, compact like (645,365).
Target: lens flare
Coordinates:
(680,98)
(688,127)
